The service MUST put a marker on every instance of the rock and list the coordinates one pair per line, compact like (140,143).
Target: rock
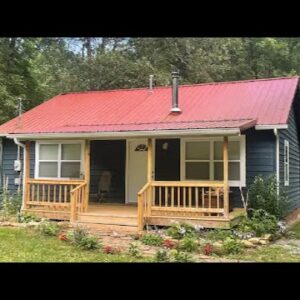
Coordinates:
(115,233)
(248,244)
(217,244)
(254,240)
(263,242)
(267,237)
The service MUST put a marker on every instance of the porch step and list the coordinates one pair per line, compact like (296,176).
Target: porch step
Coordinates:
(107,219)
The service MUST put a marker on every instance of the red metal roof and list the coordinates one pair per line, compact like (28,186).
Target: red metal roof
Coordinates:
(236,104)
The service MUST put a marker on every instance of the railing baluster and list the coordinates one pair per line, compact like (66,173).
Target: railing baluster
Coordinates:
(209,198)
(190,197)
(159,196)
(172,196)
(196,197)
(166,196)
(203,198)
(178,196)
(184,197)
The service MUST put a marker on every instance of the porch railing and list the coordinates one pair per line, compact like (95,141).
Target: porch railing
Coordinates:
(50,194)
(185,199)
(78,203)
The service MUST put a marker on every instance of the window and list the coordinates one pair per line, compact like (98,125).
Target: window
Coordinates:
(202,159)
(59,160)
(286,163)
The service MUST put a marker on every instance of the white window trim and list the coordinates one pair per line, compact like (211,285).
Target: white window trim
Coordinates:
(286,163)
(232,183)
(61,142)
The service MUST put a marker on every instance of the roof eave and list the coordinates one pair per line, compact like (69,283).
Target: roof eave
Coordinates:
(128,134)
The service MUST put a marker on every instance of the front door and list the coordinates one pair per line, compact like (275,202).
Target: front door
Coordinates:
(136,168)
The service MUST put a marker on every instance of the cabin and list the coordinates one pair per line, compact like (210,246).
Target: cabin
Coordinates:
(152,156)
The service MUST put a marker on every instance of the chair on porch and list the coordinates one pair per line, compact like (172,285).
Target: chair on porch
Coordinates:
(104,185)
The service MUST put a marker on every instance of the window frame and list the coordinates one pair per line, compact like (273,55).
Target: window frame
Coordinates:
(286,163)
(59,160)
(242,160)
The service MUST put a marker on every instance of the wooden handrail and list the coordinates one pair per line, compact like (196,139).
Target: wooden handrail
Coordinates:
(144,188)
(56,181)
(188,183)
(77,201)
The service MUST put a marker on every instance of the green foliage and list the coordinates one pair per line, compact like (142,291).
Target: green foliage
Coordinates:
(81,238)
(263,195)
(161,256)
(189,244)
(261,223)
(218,234)
(10,203)
(232,246)
(152,239)
(48,228)
(181,230)
(180,256)
(27,218)
(134,250)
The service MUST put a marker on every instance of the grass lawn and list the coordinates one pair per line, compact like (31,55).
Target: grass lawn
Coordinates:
(295,229)
(26,245)
(272,253)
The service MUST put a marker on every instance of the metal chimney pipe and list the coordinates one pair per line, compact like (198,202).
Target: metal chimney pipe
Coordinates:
(175,80)
(151,82)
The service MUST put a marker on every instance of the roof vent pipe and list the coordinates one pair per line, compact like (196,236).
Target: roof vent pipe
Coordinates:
(151,83)
(175,80)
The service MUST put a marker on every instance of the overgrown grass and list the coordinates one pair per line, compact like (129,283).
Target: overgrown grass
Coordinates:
(272,253)
(25,245)
(295,229)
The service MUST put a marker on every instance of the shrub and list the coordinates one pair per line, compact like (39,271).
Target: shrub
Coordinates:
(208,249)
(188,244)
(261,223)
(27,218)
(232,246)
(162,256)
(169,244)
(218,234)
(180,256)
(48,228)
(111,250)
(181,230)
(81,238)
(263,195)
(134,250)
(63,237)
(152,239)
(10,203)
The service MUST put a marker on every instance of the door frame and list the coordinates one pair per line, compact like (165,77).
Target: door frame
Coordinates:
(127,164)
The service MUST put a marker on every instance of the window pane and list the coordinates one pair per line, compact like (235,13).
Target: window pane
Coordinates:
(70,169)
(218,150)
(197,150)
(234,171)
(197,170)
(48,169)
(71,152)
(218,170)
(48,152)
(234,150)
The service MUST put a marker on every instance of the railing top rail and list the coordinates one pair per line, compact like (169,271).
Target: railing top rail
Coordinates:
(56,181)
(143,189)
(78,187)
(188,183)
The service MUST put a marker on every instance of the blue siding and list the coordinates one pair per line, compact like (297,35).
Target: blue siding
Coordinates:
(9,155)
(260,159)
(292,135)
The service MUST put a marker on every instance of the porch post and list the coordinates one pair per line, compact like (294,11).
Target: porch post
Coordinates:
(87,173)
(225,176)
(149,177)
(149,161)
(26,174)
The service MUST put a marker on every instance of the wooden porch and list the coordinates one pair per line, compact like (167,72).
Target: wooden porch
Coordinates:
(204,203)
